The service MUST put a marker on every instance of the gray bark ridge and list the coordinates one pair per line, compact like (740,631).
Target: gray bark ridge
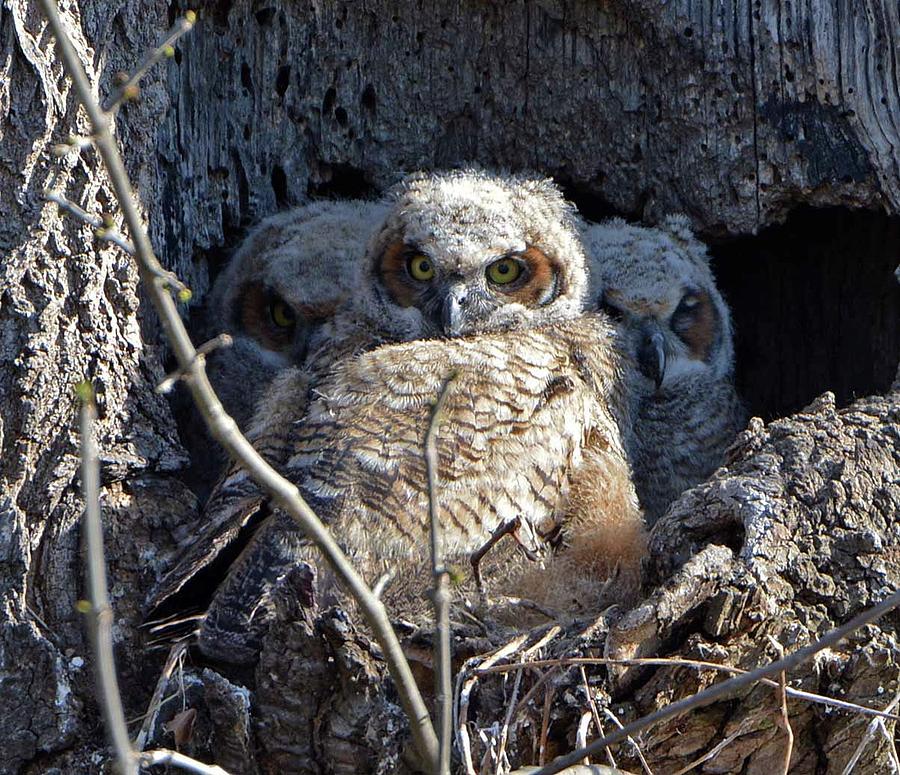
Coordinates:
(69,310)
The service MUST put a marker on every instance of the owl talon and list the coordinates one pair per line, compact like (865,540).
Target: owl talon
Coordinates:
(510,527)
(505,528)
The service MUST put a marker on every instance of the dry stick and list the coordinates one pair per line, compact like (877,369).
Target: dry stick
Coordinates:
(164,756)
(713,751)
(529,695)
(782,701)
(175,654)
(221,426)
(216,343)
(443,677)
(596,714)
(640,754)
(464,687)
(871,729)
(101,230)
(726,687)
(504,730)
(549,694)
(100,613)
(819,699)
(786,722)
(128,88)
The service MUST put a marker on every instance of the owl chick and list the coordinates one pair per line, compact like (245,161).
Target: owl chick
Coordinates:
(657,283)
(287,277)
(478,279)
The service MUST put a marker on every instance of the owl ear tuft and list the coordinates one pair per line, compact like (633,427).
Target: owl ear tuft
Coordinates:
(678,225)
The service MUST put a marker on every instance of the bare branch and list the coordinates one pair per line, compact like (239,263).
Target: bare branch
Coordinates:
(871,729)
(221,426)
(164,756)
(168,382)
(100,613)
(727,687)
(593,706)
(128,88)
(612,717)
(443,678)
(175,654)
(819,699)
(785,719)
(102,229)
(464,687)
(713,752)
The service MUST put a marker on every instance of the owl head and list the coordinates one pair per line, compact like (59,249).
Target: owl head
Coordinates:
(657,283)
(290,274)
(467,252)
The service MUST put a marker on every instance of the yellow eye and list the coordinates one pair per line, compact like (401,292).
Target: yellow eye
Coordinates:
(420,268)
(282,315)
(504,271)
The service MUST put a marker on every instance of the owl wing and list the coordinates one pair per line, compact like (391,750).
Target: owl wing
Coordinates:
(519,407)
(235,512)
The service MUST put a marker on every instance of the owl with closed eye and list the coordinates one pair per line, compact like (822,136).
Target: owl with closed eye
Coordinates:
(657,283)
(287,277)
(472,285)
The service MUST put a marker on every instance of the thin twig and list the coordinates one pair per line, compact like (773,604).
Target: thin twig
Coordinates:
(221,426)
(101,616)
(819,699)
(164,756)
(713,751)
(128,88)
(175,654)
(529,695)
(785,719)
(507,721)
(220,341)
(593,706)
(549,694)
(727,687)
(871,729)
(102,230)
(440,596)
(464,686)
(637,748)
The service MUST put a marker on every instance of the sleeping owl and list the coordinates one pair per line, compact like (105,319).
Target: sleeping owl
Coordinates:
(657,283)
(478,280)
(287,277)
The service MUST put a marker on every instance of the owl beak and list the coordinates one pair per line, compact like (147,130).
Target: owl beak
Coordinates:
(652,357)
(453,315)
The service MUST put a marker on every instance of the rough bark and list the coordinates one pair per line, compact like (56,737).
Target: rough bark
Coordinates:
(734,115)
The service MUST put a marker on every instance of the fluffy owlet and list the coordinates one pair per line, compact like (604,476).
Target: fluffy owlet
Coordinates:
(478,279)
(658,284)
(287,277)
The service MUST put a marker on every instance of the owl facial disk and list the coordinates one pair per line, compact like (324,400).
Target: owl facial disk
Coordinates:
(273,324)
(465,302)
(671,338)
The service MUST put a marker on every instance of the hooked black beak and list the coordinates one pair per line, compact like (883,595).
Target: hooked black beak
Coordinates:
(453,313)
(652,357)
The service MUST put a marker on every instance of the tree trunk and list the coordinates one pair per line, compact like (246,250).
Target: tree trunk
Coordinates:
(733,113)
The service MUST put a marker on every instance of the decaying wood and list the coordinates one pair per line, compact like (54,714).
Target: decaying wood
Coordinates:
(734,113)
